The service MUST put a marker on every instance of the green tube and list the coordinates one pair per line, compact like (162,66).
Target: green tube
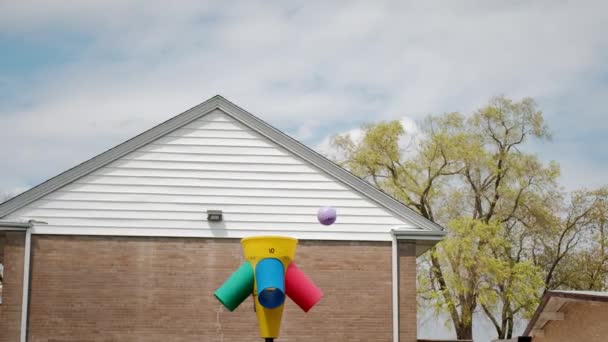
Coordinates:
(237,288)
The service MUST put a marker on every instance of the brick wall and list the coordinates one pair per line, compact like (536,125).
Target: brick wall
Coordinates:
(10,315)
(2,242)
(584,321)
(160,289)
(407,292)
(427,340)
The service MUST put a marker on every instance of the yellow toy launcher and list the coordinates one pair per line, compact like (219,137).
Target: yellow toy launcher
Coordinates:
(269,274)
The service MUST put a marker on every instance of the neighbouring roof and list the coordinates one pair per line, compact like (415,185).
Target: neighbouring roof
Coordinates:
(584,295)
(246,118)
(552,301)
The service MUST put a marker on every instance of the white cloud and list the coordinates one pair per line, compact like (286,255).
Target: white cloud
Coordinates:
(326,148)
(407,143)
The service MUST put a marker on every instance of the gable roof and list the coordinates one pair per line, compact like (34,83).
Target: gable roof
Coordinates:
(246,118)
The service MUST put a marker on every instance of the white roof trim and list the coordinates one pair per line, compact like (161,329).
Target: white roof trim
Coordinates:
(14,225)
(432,236)
(248,119)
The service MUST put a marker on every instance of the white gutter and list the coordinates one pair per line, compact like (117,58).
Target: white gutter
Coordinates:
(395,283)
(425,235)
(14,225)
(26,284)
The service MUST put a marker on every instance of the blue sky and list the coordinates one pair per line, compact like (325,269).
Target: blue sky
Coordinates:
(79,77)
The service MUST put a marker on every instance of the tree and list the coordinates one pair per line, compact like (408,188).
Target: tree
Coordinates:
(470,169)
(571,244)
(503,180)
(379,158)
(420,182)
(590,265)
(472,264)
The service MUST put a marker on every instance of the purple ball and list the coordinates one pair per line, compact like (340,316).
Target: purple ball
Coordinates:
(326,215)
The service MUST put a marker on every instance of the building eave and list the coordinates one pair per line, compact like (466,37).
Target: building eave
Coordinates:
(419,235)
(14,225)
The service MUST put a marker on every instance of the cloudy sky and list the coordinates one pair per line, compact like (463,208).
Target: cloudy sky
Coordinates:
(78,77)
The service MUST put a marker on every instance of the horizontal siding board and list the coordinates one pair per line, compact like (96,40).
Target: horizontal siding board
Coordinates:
(214,183)
(211,174)
(222,150)
(209,190)
(241,166)
(218,199)
(213,142)
(212,133)
(203,207)
(212,158)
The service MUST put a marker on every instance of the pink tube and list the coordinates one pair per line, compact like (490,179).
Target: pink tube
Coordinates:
(300,288)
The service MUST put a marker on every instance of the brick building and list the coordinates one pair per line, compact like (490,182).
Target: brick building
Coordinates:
(119,248)
(570,316)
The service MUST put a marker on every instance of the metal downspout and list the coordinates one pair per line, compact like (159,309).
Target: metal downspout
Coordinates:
(395,285)
(26,284)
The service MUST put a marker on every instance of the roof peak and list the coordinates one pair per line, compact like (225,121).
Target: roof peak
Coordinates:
(246,118)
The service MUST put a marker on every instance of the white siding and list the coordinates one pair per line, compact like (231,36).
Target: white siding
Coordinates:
(214,162)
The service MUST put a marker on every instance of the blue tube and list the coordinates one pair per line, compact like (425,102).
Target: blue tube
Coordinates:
(270,280)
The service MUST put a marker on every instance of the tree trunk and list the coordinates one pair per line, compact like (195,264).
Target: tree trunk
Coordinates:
(510,328)
(464,331)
